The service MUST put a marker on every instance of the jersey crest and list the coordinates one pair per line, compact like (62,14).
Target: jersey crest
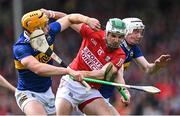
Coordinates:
(107,58)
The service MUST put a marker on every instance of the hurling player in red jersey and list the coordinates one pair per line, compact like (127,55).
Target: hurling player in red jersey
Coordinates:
(97,49)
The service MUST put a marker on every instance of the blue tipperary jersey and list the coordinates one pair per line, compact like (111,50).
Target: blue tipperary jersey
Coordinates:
(132,52)
(28,80)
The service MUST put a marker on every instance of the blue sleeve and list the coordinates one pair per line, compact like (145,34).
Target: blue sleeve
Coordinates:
(55,27)
(137,52)
(21,51)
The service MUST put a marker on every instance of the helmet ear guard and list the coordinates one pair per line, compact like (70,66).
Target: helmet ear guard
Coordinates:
(33,20)
(133,23)
(116,25)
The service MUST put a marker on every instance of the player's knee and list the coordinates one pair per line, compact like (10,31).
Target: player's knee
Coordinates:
(63,107)
(34,108)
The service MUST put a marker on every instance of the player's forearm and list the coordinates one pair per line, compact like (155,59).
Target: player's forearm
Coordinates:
(78,18)
(152,68)
(106,72)
(46,70)
(120,76)
(6,84)
(56,14)
(10,87)
(76,27)
(53,14)
(148,68)
(119,79)
(95,74)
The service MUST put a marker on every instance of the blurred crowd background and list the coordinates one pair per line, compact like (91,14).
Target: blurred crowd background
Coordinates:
(162,36)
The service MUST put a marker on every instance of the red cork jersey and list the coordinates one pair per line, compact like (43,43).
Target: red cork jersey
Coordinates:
(94,54)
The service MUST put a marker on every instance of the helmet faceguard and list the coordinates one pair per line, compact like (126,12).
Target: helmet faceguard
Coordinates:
(33,20)
(115,26)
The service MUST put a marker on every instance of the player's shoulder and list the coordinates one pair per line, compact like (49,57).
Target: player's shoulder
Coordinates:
(21,40)
(99,34)
(136,49)
(22,44)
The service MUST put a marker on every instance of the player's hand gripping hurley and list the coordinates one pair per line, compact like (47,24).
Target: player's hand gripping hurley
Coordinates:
(38,41)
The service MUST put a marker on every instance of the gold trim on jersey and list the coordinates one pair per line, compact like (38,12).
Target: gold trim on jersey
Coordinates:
(18,65)
(126,65)
(41,57)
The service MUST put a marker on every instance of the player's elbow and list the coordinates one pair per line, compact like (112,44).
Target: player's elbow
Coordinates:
(72,18)
(37,70)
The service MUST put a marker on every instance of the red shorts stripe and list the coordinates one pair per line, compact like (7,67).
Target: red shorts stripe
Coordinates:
(82,105)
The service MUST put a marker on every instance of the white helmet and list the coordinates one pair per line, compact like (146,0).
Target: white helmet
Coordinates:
(116,25)
(133,23)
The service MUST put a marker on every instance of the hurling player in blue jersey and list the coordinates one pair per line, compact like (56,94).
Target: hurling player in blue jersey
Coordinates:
(4,83)
(135,29)
(34,94)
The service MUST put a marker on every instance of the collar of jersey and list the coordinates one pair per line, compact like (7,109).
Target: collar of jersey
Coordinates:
(26,36)
(126,45)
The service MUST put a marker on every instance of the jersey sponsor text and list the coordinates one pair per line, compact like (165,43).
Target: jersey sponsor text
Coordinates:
(91,60)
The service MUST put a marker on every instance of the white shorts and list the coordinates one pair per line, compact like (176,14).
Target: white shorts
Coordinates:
(76,110)
(76,93)
(47,99)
